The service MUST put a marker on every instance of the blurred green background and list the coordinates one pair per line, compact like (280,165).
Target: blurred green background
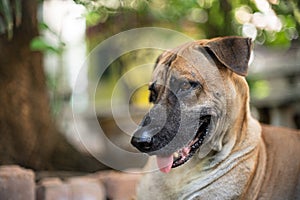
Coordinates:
(273,25)
(64,36)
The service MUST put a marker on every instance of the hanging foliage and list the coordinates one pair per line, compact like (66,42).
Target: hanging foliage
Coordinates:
(10,16)
(270,22)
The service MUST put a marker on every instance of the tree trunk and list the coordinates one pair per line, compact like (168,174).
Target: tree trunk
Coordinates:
(27,133)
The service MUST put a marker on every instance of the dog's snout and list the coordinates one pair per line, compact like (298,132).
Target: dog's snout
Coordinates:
(142,139)
(145,137)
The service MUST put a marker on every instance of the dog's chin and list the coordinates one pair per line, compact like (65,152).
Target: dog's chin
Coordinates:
(182,155)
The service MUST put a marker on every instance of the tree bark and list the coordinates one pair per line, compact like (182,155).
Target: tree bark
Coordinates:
(27,133)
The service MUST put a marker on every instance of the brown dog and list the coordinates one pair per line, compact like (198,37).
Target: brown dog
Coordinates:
(201,126)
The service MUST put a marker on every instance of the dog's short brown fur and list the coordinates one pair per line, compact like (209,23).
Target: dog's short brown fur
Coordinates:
(200,93)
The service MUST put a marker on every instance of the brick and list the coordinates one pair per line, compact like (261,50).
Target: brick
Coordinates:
(16,183)
(52,189)
(83,188)
(75,188)
(119,185)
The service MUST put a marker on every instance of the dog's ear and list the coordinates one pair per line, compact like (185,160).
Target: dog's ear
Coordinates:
(233,52)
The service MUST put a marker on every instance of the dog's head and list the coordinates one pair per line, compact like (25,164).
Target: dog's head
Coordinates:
(194,89)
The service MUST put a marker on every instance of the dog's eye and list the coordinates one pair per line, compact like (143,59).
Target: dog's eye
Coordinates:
(187,85)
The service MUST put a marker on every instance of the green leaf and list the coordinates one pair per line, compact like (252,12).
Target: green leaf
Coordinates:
(95,17)
(40,44)
(260,89)
(296,11)
(43,26)
(277,39)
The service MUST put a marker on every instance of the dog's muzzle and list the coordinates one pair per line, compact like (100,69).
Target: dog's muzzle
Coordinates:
(143,136)
(160,135)
(148,137)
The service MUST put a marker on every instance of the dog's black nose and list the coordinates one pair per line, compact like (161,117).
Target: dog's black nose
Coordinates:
(142,143)
(145,137)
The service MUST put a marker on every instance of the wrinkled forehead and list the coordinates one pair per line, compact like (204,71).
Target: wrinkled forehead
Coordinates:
(188,61)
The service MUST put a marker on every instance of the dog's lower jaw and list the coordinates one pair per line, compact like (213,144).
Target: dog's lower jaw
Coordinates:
(201,178)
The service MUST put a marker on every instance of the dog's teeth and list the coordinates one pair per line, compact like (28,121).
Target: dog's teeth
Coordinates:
(175,155)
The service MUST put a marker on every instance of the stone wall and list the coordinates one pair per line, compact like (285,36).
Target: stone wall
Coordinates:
(17,183)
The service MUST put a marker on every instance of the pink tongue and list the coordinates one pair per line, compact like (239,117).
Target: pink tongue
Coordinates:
(164,163)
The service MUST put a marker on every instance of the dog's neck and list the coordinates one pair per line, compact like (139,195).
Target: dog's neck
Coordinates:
(241,144)
(240,138)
